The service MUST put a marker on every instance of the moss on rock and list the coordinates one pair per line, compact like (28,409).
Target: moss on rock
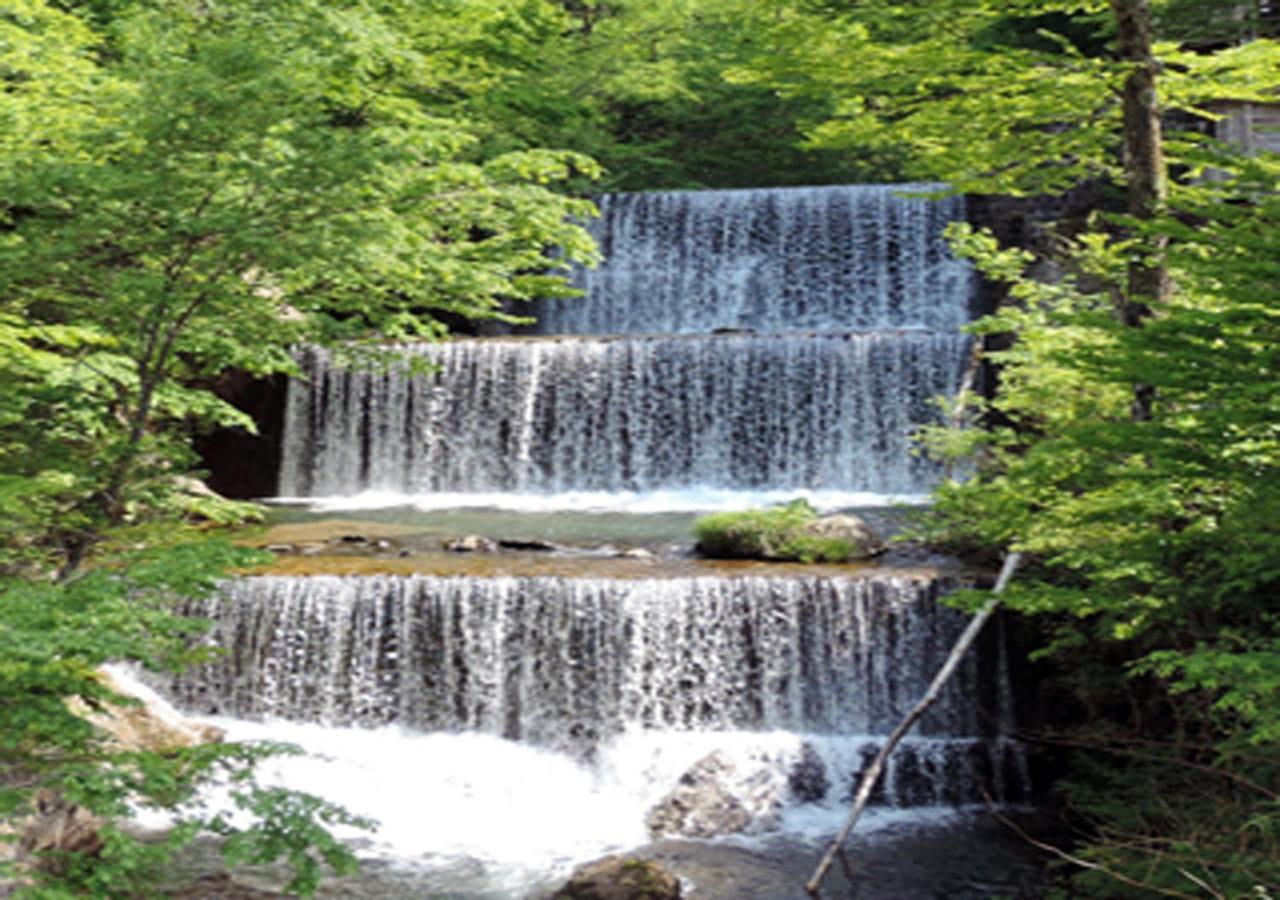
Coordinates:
(793,532)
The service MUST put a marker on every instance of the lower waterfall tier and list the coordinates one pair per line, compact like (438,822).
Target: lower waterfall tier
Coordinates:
(570,662)
(541,416)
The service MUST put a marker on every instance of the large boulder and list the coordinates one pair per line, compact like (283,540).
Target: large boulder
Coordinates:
(54,826)
(712,798)
(152,724)
(620,878)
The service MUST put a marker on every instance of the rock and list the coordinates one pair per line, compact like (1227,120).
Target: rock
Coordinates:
(620,878)
(863,541)
(53,826)
(791,532)
(702,804)
(222,887)
(636,553)
(517,544)
(280,548)
(351,539)
(471,543)
(808,781)
(153,725)
(57,824)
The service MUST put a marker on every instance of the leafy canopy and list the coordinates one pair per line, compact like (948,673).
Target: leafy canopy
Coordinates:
(216,186)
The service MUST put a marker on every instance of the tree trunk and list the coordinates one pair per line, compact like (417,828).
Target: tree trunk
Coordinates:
(1146,172)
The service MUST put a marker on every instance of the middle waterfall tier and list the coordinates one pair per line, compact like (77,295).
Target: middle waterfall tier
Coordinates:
(547,416)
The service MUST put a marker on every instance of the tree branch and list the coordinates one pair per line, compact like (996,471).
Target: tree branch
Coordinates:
(872,775)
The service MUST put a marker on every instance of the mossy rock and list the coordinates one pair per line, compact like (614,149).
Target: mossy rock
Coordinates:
(620,878)
(791,533)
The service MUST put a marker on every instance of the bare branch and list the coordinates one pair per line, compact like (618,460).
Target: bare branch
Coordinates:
(872,775)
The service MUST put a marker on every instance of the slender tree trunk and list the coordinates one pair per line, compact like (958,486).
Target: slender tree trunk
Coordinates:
(1146,172)
(869,778)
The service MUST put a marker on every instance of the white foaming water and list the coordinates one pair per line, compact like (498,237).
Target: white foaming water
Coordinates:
(697,500)
(526,816)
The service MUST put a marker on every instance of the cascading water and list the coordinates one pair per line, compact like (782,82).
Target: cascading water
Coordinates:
(854,305)
(794,259)
(605,692)
(564,662)
(829,412)
(506,728)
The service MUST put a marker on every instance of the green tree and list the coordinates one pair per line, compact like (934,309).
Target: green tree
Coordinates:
(1151,525)
(1010,96)
(187,188)
(235,180)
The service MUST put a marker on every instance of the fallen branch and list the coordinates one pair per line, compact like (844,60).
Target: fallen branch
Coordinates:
(1096,867)
(872,775)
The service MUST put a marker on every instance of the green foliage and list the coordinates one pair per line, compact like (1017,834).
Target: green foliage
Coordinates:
(1154,539)
(53,637)
(202,190)
(994,96)
(778,532)
(638,86)
(1151,533)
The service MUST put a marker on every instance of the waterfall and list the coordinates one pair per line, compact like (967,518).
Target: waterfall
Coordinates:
(570,663)
(545,719)
(853,304)
(815,411)
(789,259)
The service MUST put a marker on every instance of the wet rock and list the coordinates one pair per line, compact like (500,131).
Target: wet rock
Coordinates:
(535,545)
(359,539)
(222,887)
(280,548)
(808,781)
(471,543)
(620,878)
(707,802)
(636,553)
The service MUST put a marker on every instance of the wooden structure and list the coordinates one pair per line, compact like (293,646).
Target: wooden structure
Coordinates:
(1253,127)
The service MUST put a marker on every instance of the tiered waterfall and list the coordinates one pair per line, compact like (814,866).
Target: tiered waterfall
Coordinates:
(838,312)
(763,340)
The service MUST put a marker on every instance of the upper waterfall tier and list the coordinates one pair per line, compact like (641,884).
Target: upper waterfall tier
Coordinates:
(536,416)
(781,259)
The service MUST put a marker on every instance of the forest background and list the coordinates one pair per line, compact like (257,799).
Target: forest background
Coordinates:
(192,187)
